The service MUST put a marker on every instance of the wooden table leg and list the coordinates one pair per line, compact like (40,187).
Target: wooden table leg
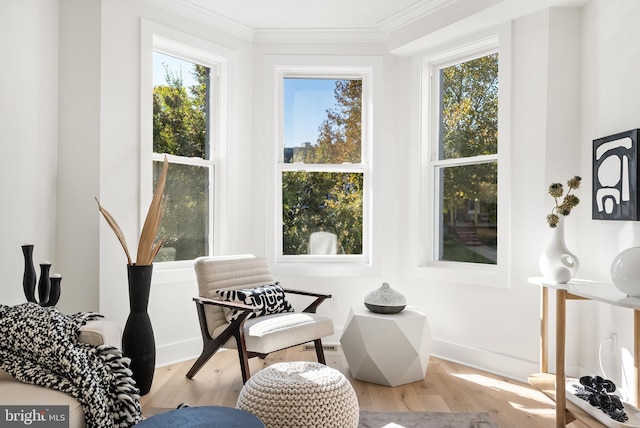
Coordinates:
(636,355)
(561,394)
(544,330)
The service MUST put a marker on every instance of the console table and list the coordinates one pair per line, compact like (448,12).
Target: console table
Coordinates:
(576,290)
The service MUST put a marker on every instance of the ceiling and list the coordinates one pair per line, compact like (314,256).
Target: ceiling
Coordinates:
(310,14)
(352,20)
(256,16)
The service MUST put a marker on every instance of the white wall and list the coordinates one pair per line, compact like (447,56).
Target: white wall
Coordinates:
(78,154)
(610,86)
(573,78)
(29,137)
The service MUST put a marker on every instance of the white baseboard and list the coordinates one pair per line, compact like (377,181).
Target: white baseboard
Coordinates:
(500,364)
(178,352)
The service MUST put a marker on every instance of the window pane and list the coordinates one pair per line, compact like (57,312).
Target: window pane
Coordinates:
(180,100)
(321,202)
(322,121)
(185,224)
(469,108)
(469,206)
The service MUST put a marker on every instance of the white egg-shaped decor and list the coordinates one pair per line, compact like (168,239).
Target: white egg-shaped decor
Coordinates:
(385,300)
(625,271)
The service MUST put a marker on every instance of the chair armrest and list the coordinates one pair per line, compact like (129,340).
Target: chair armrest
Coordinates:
(224,304)
(314,305)
(306,293)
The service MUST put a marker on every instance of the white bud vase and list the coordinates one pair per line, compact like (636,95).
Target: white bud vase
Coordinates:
(556,261)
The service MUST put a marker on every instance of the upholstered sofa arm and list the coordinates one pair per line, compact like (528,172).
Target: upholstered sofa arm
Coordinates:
(14,392)
(101,332)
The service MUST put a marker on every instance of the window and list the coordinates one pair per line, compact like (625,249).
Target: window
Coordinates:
(464,138)
(186,118)
(321,171)
(465,163)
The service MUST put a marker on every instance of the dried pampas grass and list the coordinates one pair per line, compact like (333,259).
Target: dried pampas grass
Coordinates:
(147,246)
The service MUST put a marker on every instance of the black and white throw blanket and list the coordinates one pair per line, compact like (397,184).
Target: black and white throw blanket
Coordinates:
(40,346)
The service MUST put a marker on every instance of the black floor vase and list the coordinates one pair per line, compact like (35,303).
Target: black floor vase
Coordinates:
(138,342)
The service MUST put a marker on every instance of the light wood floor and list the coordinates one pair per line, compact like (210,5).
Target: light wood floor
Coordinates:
(447,387)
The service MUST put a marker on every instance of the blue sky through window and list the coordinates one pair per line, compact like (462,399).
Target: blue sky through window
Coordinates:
(184,68)
(306,102)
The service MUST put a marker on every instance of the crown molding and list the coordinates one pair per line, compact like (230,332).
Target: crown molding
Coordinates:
(190,9)
(412,13)
(302,35)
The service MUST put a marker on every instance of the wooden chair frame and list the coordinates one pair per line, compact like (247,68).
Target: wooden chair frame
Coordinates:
(235,329)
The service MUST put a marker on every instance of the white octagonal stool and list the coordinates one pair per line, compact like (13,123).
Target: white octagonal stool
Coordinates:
(300,394)
(387,349)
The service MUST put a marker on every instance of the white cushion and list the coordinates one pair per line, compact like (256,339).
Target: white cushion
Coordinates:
(271,333)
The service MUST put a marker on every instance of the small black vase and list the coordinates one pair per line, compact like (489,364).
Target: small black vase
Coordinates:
(29,276)
(44,284)
(54,291)
(138,342)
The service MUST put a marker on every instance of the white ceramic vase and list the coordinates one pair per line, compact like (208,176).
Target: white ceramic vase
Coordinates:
(625,271)
(385,300)
(556,261)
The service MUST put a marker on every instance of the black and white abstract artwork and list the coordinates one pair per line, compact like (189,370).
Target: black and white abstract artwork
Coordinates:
(615,177)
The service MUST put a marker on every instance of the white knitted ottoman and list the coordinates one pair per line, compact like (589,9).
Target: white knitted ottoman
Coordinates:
(300,394)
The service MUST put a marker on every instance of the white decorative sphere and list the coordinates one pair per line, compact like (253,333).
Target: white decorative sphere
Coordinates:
(561,274)
(625,271)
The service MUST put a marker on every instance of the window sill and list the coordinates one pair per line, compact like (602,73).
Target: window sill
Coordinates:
(464,273)
(323,269)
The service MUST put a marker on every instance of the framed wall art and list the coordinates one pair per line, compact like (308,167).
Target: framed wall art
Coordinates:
(615,177)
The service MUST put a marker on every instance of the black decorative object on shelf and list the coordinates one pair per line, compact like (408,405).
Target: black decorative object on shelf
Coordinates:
(44,284)
(597,392)
(29,276)
(54,290)
(48,287)
(138,342)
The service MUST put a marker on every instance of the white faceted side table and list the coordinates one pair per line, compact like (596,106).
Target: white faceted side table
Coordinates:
(387,349)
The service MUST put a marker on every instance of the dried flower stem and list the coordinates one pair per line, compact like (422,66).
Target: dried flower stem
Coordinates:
(147,247)
(116,229)
(570,201)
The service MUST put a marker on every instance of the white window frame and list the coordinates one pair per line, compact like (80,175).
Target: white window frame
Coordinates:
(368,69)
(158,38)
(429,65)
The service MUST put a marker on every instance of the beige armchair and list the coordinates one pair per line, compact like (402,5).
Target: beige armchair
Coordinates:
(252,336)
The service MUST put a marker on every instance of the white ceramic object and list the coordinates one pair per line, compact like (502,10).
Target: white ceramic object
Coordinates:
(387,349)
(625,271)
(385,300)
(556,261)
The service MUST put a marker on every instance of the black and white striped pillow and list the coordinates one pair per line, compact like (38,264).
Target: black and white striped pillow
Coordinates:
(268,299)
